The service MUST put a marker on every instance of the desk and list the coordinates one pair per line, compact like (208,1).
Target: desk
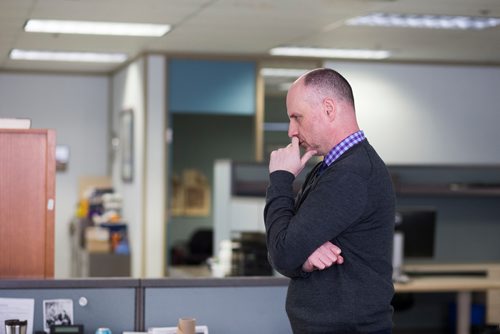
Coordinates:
(463,286)
(488,270)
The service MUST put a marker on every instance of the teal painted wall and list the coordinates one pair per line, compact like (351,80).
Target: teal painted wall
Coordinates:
(211,86)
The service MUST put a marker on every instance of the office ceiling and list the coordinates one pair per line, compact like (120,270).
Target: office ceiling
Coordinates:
(247,27)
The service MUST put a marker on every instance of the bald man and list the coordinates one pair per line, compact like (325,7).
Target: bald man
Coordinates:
(334,240)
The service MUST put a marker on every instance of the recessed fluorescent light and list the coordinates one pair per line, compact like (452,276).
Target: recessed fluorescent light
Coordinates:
(329,53)
(285,86)
(425,21)
(282,72)
(97,28)
(90,57)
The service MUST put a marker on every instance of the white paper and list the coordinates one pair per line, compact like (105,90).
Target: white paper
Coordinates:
(17,308)
(173,330)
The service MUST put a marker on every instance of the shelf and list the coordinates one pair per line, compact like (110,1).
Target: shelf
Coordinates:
(446,180)
(453,189)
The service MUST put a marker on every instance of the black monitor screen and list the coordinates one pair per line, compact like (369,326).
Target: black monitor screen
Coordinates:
(419,228)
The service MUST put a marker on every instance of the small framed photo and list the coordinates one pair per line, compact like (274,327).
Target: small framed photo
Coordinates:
(57,312)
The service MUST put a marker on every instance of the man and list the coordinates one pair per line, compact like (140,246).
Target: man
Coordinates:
(335,239)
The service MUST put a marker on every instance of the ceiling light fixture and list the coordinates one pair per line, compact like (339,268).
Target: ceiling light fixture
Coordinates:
(90,57)
(97,28)
(330,53)
(282,72)
(425,21)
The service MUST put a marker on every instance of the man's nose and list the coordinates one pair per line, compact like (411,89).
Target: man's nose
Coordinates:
(292,130)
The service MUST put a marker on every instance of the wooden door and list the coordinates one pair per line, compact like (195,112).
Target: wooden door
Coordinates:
(27,201)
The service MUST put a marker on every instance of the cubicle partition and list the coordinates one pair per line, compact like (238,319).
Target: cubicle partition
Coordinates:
(96,302)
(242,305)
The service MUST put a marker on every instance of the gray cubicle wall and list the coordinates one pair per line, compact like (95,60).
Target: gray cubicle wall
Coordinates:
(110,303)
(235,305)
(227,306)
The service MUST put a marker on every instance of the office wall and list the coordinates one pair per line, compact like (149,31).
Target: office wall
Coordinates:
(420,113)
(76,106)
(219,87)
(156,167)
(140,87)
(128,92)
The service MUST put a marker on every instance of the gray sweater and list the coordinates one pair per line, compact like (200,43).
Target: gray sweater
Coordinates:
(352,205)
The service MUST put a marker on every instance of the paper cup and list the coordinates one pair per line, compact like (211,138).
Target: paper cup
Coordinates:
(186,326)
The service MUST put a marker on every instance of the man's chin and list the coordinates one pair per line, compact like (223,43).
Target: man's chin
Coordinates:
(307,149)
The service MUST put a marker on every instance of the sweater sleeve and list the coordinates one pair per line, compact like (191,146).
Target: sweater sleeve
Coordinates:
(280,197)
(337,200)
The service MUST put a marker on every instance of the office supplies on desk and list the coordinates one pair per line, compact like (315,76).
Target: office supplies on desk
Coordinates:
(60,329)
(15,326)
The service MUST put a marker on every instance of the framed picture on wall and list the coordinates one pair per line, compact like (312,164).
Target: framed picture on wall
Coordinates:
(127,145)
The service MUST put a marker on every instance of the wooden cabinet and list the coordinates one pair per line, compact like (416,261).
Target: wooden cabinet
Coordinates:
(27,201)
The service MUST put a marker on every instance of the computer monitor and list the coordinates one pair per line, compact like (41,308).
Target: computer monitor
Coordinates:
(414,237)
(418,225)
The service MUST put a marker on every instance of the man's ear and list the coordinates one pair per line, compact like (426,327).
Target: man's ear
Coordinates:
(330,108)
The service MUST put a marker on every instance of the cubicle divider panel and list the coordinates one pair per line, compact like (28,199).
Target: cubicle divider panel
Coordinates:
(93,307)
(243,305)
(224,309)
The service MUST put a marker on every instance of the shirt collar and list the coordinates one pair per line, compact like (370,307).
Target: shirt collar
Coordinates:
(343,146)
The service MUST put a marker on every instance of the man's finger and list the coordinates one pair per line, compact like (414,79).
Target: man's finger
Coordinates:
(319,264)
(295,141)
(308,155)
(335,249)
(329,259)
(326,253)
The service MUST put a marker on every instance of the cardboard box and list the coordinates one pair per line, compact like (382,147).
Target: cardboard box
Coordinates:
(97,240)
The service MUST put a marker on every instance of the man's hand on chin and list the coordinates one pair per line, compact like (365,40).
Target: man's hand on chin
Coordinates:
(288,158)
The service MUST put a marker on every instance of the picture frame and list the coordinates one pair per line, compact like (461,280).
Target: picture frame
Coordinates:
(191,194)
(127,145)
(57,312)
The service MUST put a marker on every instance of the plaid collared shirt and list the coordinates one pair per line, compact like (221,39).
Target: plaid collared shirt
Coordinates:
(343,146)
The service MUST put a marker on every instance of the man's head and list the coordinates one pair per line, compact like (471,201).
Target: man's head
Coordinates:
(320,106)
